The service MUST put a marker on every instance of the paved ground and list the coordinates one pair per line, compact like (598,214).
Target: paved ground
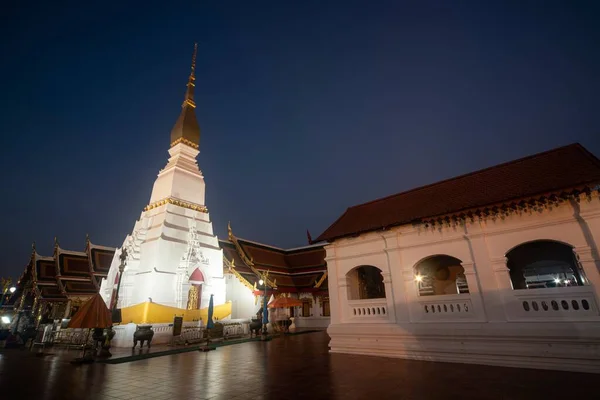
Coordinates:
(296,367)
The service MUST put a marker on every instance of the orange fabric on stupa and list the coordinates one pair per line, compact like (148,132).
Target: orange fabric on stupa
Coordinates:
(93,314)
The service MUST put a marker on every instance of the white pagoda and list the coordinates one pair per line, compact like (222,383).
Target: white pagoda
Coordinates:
(173,257)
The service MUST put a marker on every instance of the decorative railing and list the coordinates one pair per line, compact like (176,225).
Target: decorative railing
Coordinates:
(445,307)
(370,310)
(67,337)
(234,330)
(553,303)
(191,334)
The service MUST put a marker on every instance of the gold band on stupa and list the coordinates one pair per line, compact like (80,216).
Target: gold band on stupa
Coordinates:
(185,141)
(177,202)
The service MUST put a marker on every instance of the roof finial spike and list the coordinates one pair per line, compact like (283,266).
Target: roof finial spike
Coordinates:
(189,93)
(186,129)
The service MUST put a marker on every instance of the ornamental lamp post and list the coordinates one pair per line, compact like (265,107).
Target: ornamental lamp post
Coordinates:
(5,289)
(111,333)
(123,258)
(264,281)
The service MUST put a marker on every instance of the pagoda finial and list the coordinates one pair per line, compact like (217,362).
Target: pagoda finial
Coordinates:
(55,241)
(186,129)
(189,93)
(33,247)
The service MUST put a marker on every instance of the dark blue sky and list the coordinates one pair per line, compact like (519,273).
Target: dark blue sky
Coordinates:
(305,108)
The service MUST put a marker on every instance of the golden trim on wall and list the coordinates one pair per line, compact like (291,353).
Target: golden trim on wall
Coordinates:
(249,262)
(231,268)
(321,280)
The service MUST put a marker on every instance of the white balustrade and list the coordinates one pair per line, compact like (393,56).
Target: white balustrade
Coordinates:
(445,308)
(370,310)
(571,303)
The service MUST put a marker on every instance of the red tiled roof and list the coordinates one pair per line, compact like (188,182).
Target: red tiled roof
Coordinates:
(66,273)
(562,168)
(296,269)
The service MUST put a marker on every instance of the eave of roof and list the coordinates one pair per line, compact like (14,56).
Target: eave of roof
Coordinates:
(350,217)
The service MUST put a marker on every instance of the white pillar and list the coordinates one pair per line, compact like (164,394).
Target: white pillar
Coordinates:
(474,290)
(335,291)
(590,267)
(389,296)
(503,282)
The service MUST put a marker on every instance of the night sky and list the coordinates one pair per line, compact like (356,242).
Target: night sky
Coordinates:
(305,108)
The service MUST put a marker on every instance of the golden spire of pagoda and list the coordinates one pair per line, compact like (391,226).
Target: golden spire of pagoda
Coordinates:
(189,93)
(186,129)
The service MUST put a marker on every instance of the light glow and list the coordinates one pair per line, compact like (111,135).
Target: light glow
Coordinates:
(261,282)
(557,281)
(5,319)
(419,278)
(12,289)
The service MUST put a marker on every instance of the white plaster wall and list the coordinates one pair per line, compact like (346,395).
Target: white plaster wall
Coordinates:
(241,297)
(312,322)
(490,310)
(181,177)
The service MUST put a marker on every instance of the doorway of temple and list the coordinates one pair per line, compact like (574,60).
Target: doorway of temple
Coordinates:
(195,293)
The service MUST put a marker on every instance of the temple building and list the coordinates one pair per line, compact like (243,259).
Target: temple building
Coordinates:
(499,266)
(174,261)
(54,287)
(300,273)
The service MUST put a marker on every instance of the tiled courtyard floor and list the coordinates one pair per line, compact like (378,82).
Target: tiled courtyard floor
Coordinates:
(295,367)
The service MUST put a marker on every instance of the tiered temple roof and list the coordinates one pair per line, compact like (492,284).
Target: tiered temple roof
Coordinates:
(301,270)
(66,273)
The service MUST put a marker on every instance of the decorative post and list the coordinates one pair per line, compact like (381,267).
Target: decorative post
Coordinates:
(5,287)
(264,280)
(123,258)
(104,352)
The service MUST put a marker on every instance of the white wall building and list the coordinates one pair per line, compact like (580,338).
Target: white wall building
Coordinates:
(497,267)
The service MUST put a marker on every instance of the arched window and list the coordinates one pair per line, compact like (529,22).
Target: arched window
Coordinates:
(365,282)
(438,275)
(542,264)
